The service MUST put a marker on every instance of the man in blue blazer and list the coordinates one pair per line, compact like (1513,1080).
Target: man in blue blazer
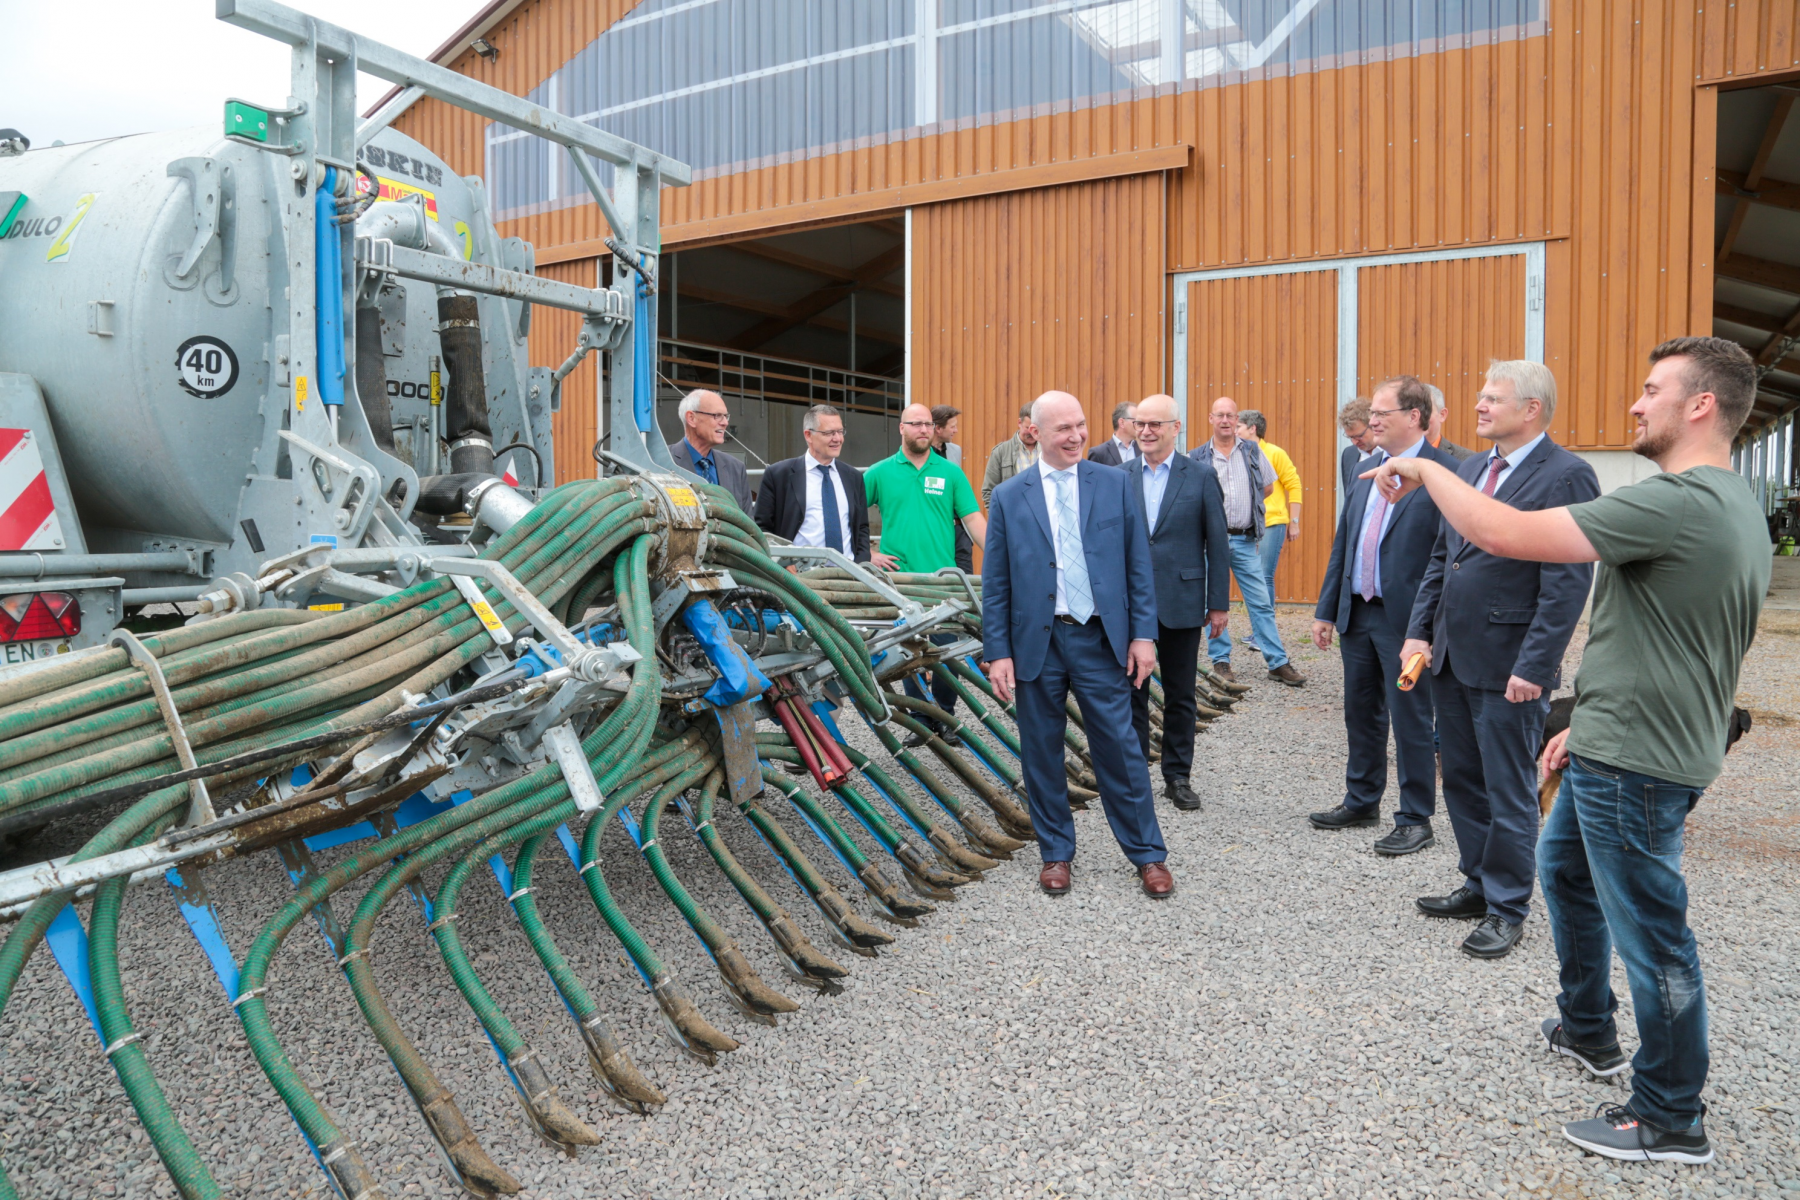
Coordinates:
(1377,560)
(1068,603)
(1494,631)
(1183,510)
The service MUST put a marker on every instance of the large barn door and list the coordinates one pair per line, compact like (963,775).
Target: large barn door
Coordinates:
(1270,342)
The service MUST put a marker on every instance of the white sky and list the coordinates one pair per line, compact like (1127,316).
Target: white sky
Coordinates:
(76,70)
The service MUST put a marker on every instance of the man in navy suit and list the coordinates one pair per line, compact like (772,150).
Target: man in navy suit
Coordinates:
(1183,509)
(817,499)
(1068,602)
(1377,560)
(1494,631)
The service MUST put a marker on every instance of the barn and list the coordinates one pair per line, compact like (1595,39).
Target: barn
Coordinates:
(969,201)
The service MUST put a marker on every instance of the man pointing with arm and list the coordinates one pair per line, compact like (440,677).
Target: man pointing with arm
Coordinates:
(1684,566)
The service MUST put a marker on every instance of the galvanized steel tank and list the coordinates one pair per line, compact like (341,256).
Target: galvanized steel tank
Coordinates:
(165,374)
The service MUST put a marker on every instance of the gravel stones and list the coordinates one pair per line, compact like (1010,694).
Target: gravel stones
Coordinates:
(1286,1025)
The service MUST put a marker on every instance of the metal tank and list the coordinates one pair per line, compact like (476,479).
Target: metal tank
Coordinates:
(142,288)
(223,345)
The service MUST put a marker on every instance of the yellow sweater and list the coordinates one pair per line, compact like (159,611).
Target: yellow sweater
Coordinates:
(1287,486)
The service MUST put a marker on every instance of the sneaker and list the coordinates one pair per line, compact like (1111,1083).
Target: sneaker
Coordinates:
(1616,1132)
(1249,644)
(1600,1061)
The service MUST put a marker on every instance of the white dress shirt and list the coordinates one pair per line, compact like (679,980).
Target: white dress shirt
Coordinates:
(1387,515)
(1512,460)
(1051,498)
(812,526)
(1156,482)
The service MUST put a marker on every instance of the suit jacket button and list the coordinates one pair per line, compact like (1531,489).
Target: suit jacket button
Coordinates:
(1456,566)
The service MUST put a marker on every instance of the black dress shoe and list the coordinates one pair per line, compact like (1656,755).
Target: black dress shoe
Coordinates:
(1464,904)
(1493,938)
(1343,818)
(1181,795)
(1405,839)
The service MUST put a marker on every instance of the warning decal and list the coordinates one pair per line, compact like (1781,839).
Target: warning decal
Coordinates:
(27,514)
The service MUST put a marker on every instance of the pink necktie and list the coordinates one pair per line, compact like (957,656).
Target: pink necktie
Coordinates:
(1494,469)
(1371,545)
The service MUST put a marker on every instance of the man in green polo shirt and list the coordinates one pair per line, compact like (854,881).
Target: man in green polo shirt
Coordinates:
(922,497)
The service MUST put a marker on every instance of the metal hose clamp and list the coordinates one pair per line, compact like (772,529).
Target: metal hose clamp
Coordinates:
(123,1042)
(434,926)
(252,994)
(520,894)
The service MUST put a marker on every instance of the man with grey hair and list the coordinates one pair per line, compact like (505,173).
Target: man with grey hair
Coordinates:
(1122,447)
(1493,631)
(706,421)
(1434,433)
(814,499)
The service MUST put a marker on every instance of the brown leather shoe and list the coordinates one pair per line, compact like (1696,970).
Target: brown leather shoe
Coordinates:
(1054,878)
(1222,668)
(1158,883)
(1285,673)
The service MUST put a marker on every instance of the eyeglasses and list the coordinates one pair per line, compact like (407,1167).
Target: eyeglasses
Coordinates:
(917,425)
(721,417)
(1154,426)
(827,434)
(1385,412)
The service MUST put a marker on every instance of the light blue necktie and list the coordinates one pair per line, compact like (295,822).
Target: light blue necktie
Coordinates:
(1074,560)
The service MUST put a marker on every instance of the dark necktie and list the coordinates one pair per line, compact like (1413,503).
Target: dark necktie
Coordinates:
(1493,479)
(834,529)
(707,471)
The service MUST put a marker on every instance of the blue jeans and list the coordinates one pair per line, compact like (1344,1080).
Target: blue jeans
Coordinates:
(1247,567)
(1273,539)
(1610,864)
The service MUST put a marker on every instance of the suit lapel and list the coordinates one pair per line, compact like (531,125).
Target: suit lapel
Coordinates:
(1084,496)
(1524,470)
(1035,498)
(1178,468)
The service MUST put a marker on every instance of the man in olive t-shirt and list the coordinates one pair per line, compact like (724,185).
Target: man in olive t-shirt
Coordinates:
(1685,562)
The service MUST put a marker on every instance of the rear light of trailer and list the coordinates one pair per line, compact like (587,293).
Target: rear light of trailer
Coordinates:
(38,616)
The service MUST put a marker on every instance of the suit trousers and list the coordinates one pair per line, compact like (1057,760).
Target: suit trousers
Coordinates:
(1079,659)
(1372,701)
(1489,748)
(1178,655)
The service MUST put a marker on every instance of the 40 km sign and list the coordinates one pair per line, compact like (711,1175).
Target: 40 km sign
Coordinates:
(208,367)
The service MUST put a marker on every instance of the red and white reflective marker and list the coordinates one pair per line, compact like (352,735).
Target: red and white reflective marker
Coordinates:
(27,514)
(509,479)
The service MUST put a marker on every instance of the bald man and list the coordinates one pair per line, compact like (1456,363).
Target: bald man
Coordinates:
(1068,604)
(706,421)
(923,499)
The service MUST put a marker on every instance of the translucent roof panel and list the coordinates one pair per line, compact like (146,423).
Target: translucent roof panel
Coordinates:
(730,85)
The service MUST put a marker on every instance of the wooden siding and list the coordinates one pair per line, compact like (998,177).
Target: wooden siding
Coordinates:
(1017,294)
(1270,343)
(576,424)
(1442,321)
(1584,137)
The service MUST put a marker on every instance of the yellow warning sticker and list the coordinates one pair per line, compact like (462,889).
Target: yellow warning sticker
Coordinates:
(683,497)
(300,393)
(483,610)
(325,607)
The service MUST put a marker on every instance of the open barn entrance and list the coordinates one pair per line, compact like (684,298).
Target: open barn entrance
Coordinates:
(1756,288)
(777,324)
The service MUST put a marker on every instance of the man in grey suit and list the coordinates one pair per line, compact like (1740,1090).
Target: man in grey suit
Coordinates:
(1190,551)
(706,421)
(1121,447)
(1494,631)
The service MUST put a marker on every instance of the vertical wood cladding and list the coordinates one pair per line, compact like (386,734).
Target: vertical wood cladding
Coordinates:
(1442,321)
(1015,295)
(1270,343)
(576,424)
(1583,136)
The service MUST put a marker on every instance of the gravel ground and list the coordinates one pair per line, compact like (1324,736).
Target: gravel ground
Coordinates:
(1287,1025)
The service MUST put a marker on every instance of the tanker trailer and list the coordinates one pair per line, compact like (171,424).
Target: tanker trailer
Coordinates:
(220,346)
